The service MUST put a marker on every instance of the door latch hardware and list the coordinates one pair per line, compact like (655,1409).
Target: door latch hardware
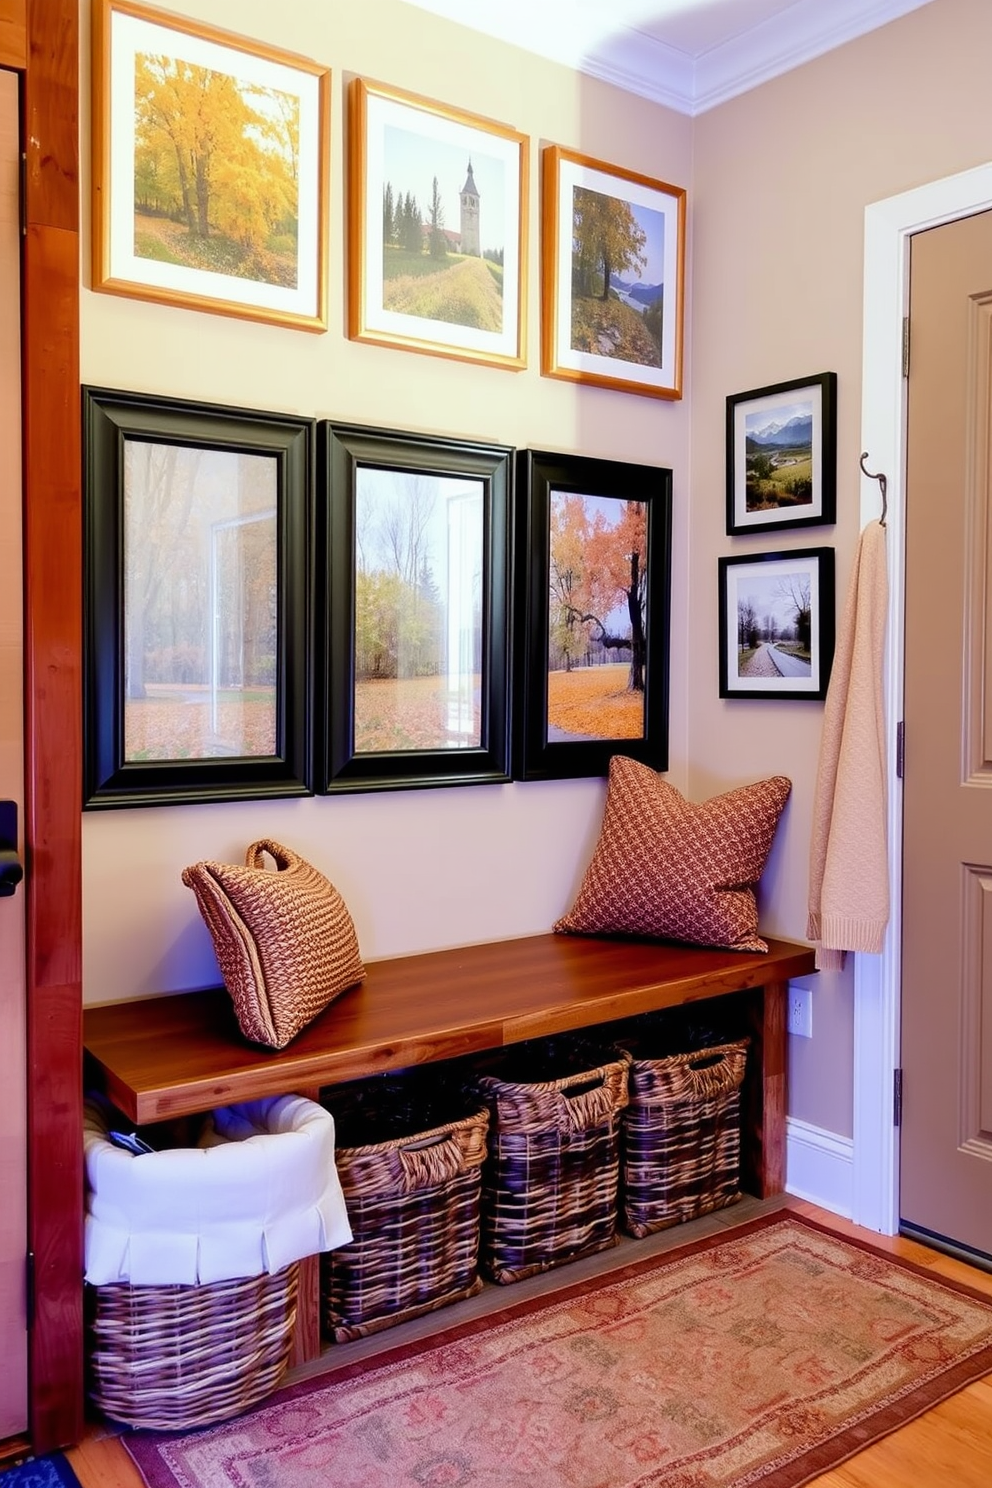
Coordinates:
(11,871)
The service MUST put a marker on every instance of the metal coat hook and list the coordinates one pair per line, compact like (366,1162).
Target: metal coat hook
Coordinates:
(883,487)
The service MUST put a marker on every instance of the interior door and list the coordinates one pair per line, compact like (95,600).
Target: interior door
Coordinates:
(946,1140)
(13,1119)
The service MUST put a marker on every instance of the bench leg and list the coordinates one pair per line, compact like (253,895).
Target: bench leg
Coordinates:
(764,1094)
(306,1339)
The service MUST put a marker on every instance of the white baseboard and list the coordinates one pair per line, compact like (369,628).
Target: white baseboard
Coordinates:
(819,1166)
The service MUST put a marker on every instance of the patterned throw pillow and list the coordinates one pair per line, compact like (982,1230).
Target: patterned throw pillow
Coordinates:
(668,868)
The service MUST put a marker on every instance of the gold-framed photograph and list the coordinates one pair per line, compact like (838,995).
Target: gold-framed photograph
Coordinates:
(210,168)
(437,228)
(613,263)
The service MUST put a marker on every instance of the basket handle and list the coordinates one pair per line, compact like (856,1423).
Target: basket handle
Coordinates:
(588,1102)
(712,1072)
(706,1060)
(429,1162)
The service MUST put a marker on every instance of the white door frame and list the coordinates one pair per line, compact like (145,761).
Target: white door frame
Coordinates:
(889,224)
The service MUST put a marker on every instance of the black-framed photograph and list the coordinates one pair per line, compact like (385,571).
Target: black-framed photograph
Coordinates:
(593,587)
(782,455)
(196,601)
(777,624)
(416,649)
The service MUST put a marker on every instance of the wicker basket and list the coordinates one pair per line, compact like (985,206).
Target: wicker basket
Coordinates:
(681,1137)
(169,1358)
(550,1181)
(412,1190)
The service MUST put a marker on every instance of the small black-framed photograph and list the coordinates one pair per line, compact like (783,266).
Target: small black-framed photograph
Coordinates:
(777,624)
(415,557)
(593,588)
(782,455)
(196,601)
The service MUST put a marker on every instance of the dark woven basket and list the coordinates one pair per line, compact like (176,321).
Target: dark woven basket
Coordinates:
(410,1163)
(681,1136)
(550,1181)
(170,1358)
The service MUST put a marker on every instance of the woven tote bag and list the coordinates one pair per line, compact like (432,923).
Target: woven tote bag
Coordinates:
(285,941)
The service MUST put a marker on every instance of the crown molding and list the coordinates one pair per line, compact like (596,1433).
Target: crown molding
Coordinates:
(807,30)
(639,63)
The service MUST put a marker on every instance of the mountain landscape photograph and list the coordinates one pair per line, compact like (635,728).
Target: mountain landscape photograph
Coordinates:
(779,456)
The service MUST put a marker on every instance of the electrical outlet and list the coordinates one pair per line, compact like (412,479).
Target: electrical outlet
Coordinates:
(800,1011)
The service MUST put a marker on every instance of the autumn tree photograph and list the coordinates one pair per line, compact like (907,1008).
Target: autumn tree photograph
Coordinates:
(597,617)
(618,290)
(419,548)
(216,171)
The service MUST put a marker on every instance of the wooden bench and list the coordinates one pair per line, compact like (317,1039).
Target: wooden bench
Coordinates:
(164,1057)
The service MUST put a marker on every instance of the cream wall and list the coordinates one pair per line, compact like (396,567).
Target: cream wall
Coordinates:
(419,869)
(780,182)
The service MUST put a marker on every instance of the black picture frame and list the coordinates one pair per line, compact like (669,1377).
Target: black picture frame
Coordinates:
(764,592)
(547,485)
(161,467)
(462,490)
(796,484)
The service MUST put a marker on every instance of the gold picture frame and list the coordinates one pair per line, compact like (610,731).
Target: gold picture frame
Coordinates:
(415,281)
(234,223)
(612,310)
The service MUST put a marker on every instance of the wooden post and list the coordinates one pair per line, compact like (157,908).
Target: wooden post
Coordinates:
(53,710)
(764,1094)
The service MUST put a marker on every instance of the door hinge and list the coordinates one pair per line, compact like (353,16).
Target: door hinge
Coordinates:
(29,1287)
(897,1097)
(900,749)
(905,346)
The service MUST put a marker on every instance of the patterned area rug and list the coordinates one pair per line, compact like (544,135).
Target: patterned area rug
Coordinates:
(762,1356)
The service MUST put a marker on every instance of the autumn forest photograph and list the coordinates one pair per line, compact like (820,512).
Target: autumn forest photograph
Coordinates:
(201,614)
(419,549)
(597,618)
(216,171)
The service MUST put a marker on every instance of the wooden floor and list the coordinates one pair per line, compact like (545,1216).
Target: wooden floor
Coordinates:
(949,1447)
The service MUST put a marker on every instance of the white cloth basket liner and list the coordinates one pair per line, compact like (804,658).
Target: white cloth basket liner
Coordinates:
(261,1190)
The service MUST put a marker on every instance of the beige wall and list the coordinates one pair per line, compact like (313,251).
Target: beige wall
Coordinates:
(419,869)
(778,180)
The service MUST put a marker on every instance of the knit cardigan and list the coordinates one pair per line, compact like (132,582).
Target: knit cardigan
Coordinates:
(848,873)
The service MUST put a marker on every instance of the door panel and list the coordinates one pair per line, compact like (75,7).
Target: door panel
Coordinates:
(946,1147)
(13,1119)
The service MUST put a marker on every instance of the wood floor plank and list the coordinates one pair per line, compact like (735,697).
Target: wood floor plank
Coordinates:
(932,1452)
(958,1271)
(101,1462)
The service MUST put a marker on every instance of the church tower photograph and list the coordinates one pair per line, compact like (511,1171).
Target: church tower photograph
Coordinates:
(470,216)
